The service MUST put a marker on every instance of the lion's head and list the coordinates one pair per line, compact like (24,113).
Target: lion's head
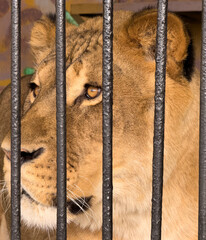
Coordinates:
(133,111)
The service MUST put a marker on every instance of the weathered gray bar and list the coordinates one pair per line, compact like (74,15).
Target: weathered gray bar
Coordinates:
(15,118)
(158,146)
(61,120)
(202,153)
(107,227)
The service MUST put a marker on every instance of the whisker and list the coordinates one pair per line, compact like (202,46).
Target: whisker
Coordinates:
(87,181)
(87,205)
(48,235)
(7,208)
(86,214)
(76,196)
(2,181)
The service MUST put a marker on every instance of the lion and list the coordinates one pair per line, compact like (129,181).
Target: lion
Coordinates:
(133,125)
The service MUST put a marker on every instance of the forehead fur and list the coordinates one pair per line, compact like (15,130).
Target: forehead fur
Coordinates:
(81,42)
(134,33)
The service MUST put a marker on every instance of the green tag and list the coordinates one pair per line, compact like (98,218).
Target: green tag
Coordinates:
(29,71)
(70,19)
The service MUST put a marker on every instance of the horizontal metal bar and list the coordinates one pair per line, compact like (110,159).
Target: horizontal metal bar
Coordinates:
(61,120)
(107,228)
(15,119)
(158,145)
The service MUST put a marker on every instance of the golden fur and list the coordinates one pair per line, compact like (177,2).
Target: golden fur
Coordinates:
(133,107)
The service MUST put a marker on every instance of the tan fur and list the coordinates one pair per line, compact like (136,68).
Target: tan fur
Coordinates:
(3,228)
(133,107)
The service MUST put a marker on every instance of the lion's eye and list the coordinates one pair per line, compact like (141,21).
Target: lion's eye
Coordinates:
(92,92)
(35,89)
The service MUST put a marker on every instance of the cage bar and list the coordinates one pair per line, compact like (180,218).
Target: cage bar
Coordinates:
(15,118)
(61,120)
(159,119)
(107,85)
(202,145)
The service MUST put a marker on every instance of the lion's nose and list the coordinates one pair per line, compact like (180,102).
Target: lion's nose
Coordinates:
(26,156)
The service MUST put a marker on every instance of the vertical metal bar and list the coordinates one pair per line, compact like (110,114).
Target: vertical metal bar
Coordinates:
(158,145)
(15,118)
(202,145)
(107,228)
(61,120)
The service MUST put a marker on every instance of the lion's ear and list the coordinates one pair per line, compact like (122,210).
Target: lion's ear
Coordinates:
(141,30)
(42,39)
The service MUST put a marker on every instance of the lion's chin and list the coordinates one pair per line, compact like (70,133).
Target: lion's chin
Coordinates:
(35,214)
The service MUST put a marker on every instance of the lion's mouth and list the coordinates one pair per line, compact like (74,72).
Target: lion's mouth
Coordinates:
(79,205)
(24,192)
(75,206)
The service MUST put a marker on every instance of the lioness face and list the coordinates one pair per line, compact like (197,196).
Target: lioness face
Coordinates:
(133,110)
